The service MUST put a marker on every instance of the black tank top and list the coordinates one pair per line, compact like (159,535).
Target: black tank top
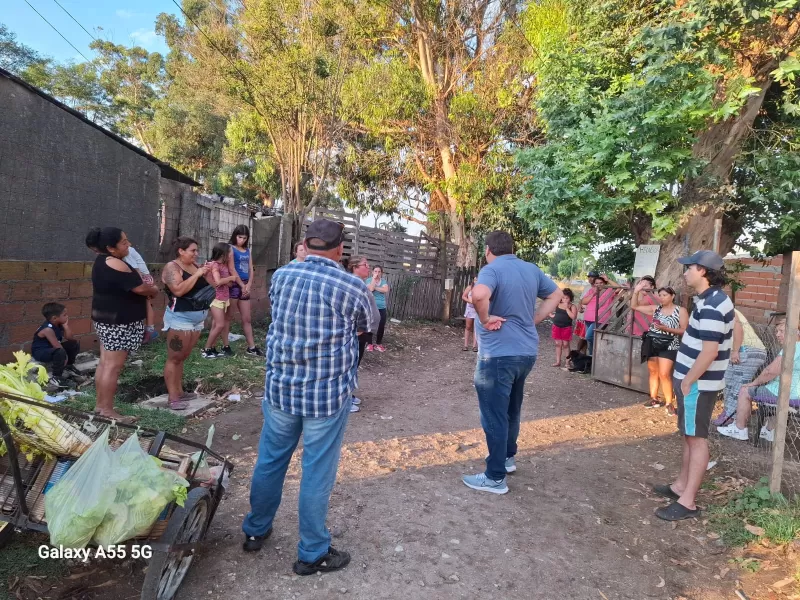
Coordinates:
(181,304)
(562,318)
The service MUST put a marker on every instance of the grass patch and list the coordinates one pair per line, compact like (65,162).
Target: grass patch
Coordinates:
(159,420)
(20,558)
(216,376)
(756,506)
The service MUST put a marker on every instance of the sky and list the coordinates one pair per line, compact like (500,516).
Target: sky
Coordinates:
(120,21)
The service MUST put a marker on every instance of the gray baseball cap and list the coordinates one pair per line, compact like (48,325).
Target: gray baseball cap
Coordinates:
(704,258)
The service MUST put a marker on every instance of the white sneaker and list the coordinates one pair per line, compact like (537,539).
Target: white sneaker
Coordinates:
(734,432)
(767,434)
(356,401)
(354,408)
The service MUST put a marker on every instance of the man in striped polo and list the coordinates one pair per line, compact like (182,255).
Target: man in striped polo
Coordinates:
(699,377)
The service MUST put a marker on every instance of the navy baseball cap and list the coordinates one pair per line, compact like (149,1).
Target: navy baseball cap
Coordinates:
(704,258)
(329,232)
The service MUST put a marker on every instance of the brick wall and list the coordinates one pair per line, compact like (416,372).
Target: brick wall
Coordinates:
(26,286)
(761,296)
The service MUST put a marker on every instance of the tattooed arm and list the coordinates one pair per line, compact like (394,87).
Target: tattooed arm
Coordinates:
(172,276)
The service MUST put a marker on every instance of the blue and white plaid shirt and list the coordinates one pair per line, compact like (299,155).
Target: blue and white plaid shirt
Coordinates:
(312,344)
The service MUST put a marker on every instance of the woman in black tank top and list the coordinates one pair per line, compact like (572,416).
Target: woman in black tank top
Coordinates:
(183,324)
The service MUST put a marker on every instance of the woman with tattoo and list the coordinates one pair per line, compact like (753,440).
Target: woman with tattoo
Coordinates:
(241,265)
(183,278)
(119,309)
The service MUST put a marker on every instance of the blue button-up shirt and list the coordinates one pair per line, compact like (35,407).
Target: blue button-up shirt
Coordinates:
(312,344)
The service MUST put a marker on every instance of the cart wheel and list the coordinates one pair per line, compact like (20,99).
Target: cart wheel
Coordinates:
(6,532)
(187,525)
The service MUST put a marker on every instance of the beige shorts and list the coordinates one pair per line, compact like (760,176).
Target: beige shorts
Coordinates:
(223,304)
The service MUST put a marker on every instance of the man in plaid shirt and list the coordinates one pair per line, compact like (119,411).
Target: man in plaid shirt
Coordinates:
(312,359)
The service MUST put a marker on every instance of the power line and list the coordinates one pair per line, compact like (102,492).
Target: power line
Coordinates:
(57,31)
(76,20)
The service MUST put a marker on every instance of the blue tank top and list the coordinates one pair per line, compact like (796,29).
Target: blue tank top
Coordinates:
(40,343)
(241,262)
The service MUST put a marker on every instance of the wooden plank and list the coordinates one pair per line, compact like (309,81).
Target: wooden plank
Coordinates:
(787,365)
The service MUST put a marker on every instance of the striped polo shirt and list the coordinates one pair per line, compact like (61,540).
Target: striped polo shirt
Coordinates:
(711,321)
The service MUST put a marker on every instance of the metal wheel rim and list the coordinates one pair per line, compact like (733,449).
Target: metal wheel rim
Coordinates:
(178,564)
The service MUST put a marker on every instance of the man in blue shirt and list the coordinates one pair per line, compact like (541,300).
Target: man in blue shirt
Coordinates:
(508,343)
(312,359)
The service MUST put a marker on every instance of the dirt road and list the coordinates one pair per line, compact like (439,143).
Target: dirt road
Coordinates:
(578,522)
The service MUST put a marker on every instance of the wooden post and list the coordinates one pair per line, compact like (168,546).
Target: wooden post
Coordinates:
(787,364)
(443,266)
(717,234)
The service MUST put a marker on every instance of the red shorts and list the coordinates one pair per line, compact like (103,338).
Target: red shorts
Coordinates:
(563,334)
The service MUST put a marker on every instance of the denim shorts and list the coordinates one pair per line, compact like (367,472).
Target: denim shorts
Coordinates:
(193,320)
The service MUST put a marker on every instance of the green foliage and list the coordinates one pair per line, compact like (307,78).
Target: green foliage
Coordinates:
(618,258)
(626,94)
(757,506)
(16,56)
(20,559)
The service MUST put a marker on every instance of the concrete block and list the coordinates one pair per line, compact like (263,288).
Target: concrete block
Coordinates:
(196,406)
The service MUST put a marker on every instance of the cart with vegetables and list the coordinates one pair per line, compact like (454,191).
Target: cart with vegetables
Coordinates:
(86,480)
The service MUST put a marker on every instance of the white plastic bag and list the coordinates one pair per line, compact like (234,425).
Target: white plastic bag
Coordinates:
(142,489)
(77,504)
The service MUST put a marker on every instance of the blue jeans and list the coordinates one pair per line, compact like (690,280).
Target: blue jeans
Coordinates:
(322,444)
(500,382)
(590,339)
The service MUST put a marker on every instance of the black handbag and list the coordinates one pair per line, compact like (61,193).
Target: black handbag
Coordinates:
(202,298)
(659,342)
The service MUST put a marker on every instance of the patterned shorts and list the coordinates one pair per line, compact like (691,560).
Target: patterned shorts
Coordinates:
(115,338)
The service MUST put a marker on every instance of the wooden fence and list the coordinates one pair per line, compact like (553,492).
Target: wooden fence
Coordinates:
(395,252)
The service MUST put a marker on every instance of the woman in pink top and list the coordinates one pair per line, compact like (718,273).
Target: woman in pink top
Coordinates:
(641,321)
(598,303)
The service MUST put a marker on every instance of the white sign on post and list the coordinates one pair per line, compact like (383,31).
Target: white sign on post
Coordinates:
(646,260)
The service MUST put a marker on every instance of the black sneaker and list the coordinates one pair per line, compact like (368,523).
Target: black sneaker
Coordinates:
(332,561)
(653,403)
(253,543)
(209,353)
(227,351)
(255,351)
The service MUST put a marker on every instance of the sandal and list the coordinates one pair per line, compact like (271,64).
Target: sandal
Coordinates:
(465,349)
(474,349)
(124,419)
(188,396)
(666,491)
(677,512)
(178,405)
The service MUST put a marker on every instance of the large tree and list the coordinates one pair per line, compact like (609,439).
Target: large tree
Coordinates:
(660,118)
(440,104)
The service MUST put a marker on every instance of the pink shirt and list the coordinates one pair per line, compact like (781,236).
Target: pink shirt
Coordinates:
(606,302)
(641,322)
(224,290)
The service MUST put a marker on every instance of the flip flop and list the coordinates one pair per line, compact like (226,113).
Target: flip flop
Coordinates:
(188,396)
(465,349)
(676,512)
(665,490)
(178,405)
(474,349)
(124,419)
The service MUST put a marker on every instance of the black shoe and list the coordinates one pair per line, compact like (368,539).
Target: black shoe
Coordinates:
(672,411)
(227,351)
(72,370)
(676,512)
(665,490)
(332,561)
(653,403)
(255,351)
(209,353)
(253,543)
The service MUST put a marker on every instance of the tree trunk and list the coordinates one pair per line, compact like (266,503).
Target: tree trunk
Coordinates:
(700,203)
(696,234)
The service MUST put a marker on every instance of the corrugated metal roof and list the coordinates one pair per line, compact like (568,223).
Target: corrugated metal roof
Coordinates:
(167,172)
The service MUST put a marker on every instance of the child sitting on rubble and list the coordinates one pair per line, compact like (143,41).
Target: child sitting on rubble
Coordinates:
(54,344)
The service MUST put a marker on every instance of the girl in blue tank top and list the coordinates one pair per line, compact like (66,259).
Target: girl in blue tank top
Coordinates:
(241,264)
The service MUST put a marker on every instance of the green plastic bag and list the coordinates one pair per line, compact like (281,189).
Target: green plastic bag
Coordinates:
(142,489)
(76,505)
